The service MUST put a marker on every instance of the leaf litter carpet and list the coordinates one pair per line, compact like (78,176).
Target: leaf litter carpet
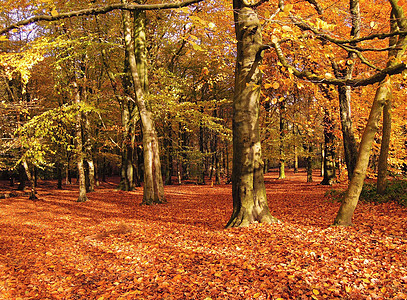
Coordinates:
(112,248)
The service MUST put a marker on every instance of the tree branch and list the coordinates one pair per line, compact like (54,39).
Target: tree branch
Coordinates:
(308,75)
(317,7)
(97,11)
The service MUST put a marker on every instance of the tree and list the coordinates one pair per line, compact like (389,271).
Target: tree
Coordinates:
(345,213)
(248,189)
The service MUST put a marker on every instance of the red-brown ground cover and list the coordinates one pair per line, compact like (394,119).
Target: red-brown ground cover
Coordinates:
(112,248)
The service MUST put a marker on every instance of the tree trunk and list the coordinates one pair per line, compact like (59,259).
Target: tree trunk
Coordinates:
(153,182)
(344,92)
(385,144)
(248,189)
(79,147)
(202,167)
(21,177)
(282,108)
(30,179)
(345,213)
(309,163)
(59,167)
(329,151)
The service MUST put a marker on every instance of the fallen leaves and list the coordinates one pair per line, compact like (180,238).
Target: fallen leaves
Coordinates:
(113,248)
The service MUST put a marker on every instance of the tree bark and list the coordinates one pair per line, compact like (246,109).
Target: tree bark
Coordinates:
(308,160)
(153,182)
(385,144)
(79,147)
(329,151)
(248,189)
(282,107)
(344,93)
(345,213)
(33,195)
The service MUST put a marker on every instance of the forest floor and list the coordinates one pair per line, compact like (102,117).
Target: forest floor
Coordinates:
(112,248)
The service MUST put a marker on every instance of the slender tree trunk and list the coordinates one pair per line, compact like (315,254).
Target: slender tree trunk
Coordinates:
(345,213)
(309,163)
(384,149)
(282,107)
(201,169)
(248,189)
(30,179)
(385,144)
(169,168)
(79,147)
(21,177)
(329,151)
(153,182)
(59,175)
(349,141)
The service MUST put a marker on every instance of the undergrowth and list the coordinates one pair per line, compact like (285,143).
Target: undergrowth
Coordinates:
(396,191)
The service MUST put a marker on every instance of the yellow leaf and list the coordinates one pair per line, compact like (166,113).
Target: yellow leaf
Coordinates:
(276,85)
(48,253)
(274,39)
(348,289)
(383,290)
(365,280)
(3,38)
(257,295)
(315,291)
(211,25)
(268,85)
(286,28)
(54,12)
(288,8)
(185,10)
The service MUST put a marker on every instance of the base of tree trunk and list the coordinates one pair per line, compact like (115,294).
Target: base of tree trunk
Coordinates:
(244,219)
(82,199)
(153,201)
(33,197)
(327,181)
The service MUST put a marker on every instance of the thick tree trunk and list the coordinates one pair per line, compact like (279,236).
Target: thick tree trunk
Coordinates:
(329,151)
(248,189)
(345,213)
(153,182)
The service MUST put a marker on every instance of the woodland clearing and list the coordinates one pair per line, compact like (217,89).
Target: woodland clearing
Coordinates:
(111,247)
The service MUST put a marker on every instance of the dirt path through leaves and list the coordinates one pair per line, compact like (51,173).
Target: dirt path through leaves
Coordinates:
(113,248)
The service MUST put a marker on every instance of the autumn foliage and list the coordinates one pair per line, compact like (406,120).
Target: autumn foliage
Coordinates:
(112,248)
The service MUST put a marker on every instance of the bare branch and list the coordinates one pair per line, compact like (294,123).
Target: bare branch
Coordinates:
(317,7)
(247,3)
(97,11)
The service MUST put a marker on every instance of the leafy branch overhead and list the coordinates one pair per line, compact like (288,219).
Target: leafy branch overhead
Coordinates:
(55,16)
(310,31)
